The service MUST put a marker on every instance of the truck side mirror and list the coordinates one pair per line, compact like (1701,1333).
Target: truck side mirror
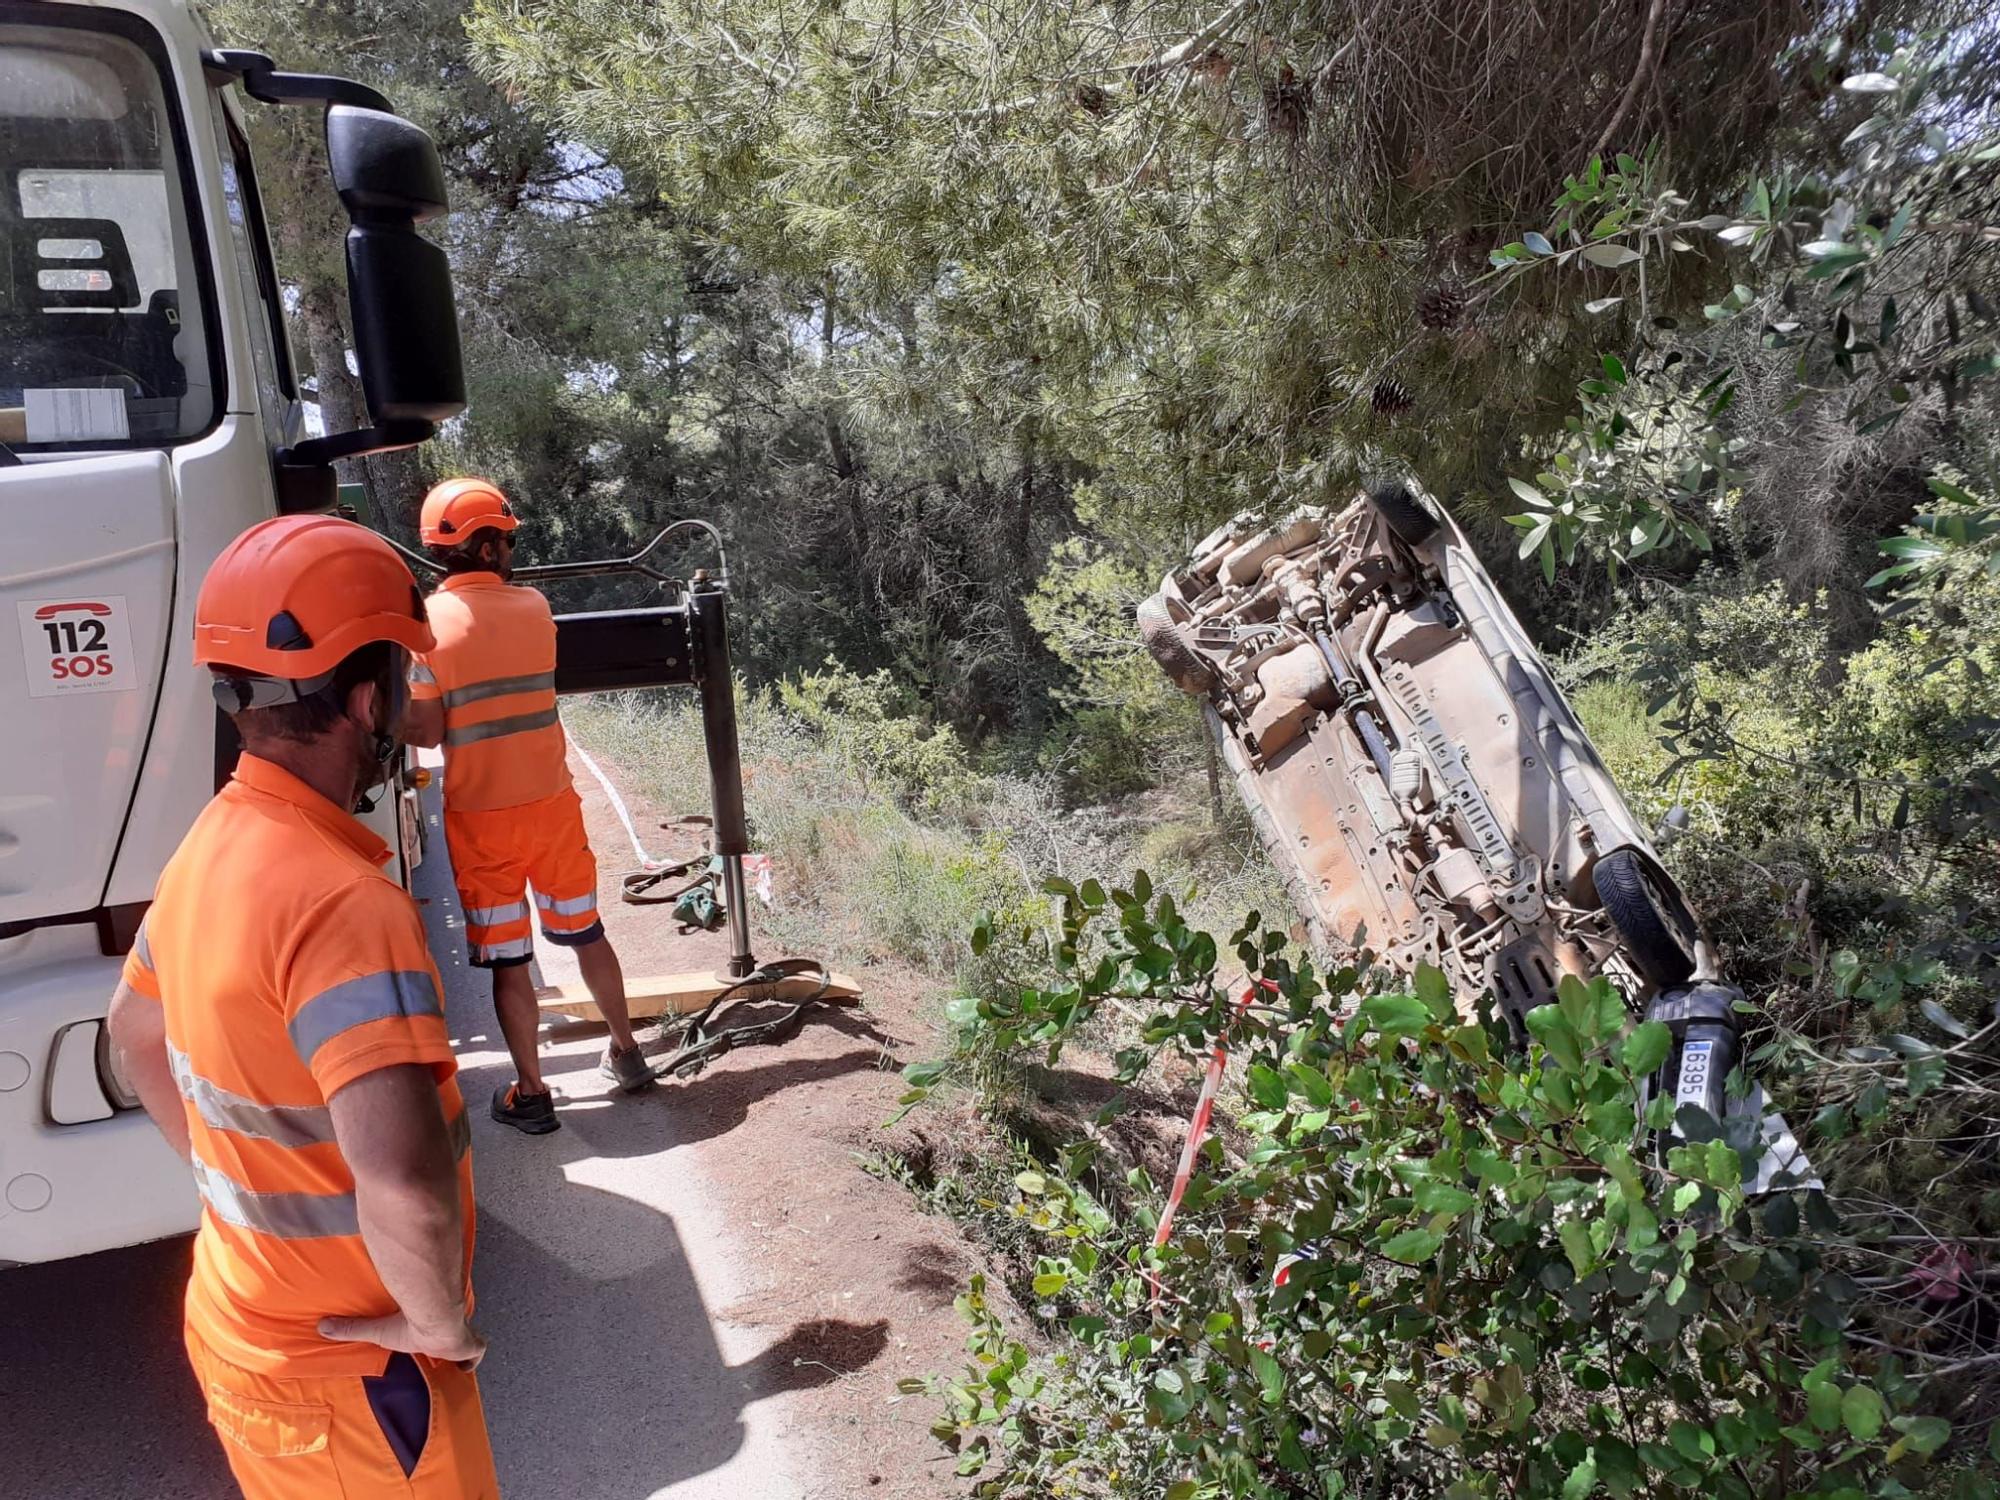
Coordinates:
(389,179)
(387,173)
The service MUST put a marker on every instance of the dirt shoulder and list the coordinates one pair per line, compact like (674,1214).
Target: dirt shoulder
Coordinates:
(844,1270)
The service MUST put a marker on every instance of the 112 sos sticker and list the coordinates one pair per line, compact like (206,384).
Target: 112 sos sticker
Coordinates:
(77,645)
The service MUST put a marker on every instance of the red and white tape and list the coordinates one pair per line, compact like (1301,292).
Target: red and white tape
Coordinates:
(1204,1109)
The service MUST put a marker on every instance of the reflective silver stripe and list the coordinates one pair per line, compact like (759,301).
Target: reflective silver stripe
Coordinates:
(576,906)
(141,947)
(290,1125)
(512,948)
(421,673)
(372,997)
(493,916)
(461,1134)
(288,1216)
(493,729)
(500,687)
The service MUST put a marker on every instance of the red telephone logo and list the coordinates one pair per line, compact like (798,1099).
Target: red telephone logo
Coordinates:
(77,647)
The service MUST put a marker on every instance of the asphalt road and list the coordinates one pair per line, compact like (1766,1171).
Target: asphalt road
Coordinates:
(597,1265)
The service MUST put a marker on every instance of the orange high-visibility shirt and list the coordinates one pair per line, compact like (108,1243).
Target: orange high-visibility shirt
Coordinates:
(494,667)
(288,965)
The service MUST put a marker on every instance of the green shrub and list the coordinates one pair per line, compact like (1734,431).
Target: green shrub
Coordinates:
(1836,801)
(869,722)
(874,824)
(1126,724)
(1440,1268)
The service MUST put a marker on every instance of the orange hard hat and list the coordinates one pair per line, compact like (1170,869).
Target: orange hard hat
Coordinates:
(457,508)
(293,597)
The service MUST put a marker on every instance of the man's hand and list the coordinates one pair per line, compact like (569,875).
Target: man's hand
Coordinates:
(423,723)
(462,1344)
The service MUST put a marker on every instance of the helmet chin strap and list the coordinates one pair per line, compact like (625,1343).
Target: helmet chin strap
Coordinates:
(383,745)
(381,751)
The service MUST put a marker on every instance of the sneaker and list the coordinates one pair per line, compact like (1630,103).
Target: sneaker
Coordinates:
(531,1114)
(629,1070)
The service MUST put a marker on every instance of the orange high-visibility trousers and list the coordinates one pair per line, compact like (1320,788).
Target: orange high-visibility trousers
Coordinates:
(326,1439)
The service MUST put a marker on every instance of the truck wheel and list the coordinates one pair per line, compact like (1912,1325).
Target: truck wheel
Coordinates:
(1185,667)
(1404,512)
(1654,926)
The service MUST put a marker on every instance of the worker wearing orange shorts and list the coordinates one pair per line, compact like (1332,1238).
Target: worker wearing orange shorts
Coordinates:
(281,1021)
(512,821)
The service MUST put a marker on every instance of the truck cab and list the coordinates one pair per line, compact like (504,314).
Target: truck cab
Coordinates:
(149,412)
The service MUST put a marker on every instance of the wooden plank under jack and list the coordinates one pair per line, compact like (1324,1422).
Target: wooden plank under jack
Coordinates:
(678,994)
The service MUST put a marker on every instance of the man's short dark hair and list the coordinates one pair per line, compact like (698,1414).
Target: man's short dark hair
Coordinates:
(473,555)
(309,718)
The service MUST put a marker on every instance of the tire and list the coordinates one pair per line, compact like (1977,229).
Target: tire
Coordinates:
(1405,514)
(1185,667)
(1654,926)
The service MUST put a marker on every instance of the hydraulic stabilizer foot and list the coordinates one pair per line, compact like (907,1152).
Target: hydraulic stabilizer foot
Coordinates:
(709,629)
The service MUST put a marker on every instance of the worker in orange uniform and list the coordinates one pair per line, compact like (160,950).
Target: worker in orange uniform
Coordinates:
(281,1021)
(512,820)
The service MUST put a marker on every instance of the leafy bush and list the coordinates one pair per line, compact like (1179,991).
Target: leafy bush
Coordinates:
(1438,1268)
(869,722)
(1853,347)
(1841,839)
(1125,721)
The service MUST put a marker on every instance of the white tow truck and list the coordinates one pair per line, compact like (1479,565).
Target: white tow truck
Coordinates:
(150,411)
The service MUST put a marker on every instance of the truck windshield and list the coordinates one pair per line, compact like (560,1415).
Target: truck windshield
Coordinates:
(102,341)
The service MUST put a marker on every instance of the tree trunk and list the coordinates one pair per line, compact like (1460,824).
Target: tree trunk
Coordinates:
(1028,703)
(841,456)
(341,408)
(395,492)
(1214,778)
(1024,521)
(665,504)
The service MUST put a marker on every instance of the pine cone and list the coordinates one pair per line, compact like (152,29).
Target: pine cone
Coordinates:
(1441,306)
(1092,98)
(1287,102)
(1391,397)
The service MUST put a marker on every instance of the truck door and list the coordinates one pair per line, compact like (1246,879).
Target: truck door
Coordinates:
(107,361)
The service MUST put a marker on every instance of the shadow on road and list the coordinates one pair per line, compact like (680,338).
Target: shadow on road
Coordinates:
(96,1398)
(612,1385)
(604,1380)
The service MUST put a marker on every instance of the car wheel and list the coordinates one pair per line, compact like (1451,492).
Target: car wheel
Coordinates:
(1654,925)
(1403,511)
(1185,667)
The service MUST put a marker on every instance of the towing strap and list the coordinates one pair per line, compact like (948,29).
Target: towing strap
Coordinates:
(697,903)
(701,1041)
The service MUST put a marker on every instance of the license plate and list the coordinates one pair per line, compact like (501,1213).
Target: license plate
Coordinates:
(1697,1064)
